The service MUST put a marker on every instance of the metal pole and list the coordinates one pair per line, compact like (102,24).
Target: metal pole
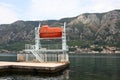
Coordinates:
(64,37)
(37,38)
(64,41)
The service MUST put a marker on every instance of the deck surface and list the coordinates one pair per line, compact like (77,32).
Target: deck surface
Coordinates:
(31,64)
(50,67)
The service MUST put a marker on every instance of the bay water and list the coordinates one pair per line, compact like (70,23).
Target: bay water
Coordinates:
(82,67)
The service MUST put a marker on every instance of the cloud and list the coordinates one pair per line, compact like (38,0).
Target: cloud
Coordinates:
(53,9)
(8,13)
(56,9)
(11,11)
(99,6)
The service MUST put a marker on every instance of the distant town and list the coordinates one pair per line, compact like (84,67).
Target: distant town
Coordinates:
(94,49)
(76,49)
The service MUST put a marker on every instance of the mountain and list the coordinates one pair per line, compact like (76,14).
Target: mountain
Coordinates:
(83,30)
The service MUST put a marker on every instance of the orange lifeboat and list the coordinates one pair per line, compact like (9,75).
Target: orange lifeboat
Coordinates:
(50,32)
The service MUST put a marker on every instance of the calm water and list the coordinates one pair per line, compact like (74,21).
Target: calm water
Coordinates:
(82,67)
(8,57)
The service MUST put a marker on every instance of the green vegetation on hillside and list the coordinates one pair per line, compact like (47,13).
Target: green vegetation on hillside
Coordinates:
(13,46)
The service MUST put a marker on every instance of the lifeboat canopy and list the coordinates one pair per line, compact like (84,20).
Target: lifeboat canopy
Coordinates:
(50,32)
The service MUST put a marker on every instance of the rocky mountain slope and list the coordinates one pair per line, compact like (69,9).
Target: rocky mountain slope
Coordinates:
(93,28)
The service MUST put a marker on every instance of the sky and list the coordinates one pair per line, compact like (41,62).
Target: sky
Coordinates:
(13,10)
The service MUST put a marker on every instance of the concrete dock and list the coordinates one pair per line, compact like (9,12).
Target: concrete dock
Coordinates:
(33,67)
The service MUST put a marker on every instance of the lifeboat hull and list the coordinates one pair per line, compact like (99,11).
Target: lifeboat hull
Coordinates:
(50,35)
(50,32)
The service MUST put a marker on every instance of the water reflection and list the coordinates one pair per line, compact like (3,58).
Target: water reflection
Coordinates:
(63,76)
(95,67)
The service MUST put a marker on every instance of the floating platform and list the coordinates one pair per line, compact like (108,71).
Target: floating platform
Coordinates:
(32,67)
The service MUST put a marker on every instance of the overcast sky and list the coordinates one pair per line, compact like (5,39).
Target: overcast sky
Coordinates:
(13,10)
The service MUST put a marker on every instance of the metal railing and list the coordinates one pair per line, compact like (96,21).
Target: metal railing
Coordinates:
(29,46)
(50,46)
(51,57)
(46,54)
